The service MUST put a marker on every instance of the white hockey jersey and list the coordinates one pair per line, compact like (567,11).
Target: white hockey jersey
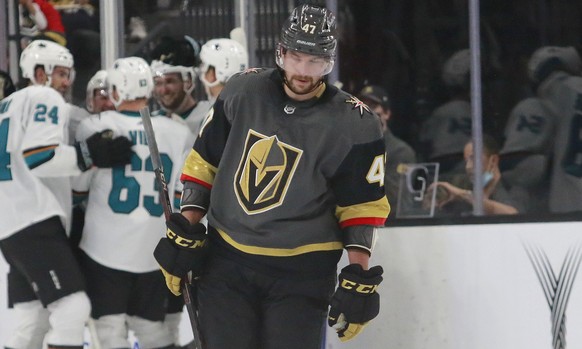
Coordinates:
(192,118)
(35,162)
(124,219)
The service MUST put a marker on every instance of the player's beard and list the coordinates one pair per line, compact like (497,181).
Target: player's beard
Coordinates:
(62,89)
(173,102)
(302,85)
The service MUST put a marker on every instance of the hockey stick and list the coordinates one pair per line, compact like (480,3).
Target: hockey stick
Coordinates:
(165,199)
(95,342)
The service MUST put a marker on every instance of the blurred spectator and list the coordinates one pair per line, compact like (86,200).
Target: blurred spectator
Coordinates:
(77,15)
(81,21)
(40,20)
(397,151)
(135,12)
(456,197)
(6,85)
(527,152)
(555,72)
(444,134)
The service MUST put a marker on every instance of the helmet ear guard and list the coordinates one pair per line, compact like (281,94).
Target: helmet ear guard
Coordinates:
(97,82)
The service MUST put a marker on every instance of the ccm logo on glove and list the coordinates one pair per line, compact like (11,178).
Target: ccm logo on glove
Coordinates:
(356,300)
(184,242)
(184,235)
(182,250)
(360,288)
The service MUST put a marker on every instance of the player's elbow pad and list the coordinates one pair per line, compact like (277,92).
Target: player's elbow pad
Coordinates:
(360,236)
(195,196)
(62,163)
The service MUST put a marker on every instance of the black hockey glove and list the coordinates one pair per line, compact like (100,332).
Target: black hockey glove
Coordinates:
(102,150)
(356,300)
(182,250)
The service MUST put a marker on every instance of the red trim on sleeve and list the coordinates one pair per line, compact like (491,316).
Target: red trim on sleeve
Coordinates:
(373,221)
(186,178)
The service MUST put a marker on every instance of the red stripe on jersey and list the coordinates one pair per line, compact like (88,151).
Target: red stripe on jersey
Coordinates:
(185,177)
(373,221)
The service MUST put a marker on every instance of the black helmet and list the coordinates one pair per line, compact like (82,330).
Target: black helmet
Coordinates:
(310,29)
(182,51)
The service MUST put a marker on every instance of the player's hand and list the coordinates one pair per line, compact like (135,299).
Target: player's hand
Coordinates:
(102,150)
(182,250)
(356,300)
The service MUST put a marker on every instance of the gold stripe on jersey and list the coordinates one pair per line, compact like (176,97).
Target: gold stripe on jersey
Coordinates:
(198,169)
(281,252)
(29,152)
(368,213)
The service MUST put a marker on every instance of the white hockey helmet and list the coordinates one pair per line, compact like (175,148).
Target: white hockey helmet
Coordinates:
(457,68)
(227,56)
(160,68)
(47,54)
(97,82)
(131,78)
(547,59)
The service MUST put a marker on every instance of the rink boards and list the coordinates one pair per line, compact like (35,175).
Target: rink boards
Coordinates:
(466,286)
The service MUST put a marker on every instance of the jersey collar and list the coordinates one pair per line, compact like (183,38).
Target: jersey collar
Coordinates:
(130,113)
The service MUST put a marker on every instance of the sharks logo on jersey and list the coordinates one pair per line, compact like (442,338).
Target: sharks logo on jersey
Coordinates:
(265,171)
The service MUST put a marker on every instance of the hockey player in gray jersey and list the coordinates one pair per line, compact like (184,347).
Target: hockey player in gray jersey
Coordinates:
(290,172)
(45,284)
(556,72)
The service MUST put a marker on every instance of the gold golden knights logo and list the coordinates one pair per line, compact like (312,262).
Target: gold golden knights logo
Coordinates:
(266,169)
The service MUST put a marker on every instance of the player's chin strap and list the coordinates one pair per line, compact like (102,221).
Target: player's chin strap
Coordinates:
(47,83)
(208,83)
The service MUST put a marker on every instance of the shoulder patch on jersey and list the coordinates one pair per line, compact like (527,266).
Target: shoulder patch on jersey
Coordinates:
(251,70)
(357,104)
(247,72)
